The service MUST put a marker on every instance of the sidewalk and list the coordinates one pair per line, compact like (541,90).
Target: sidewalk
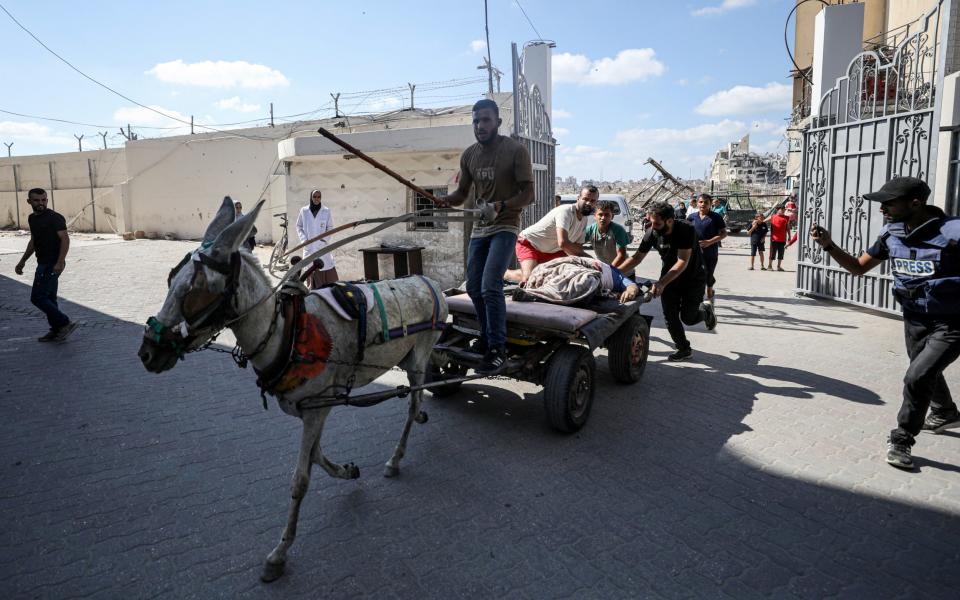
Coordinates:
(755,470)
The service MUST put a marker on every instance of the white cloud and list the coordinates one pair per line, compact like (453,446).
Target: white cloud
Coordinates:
(560,131)
(236,104)
(33,133)
(635,64)
(478,45)
(219,74)
(725,6)
(559,113)
(388,103)
(712,133)
(745,100)
(768,127)
(681,82)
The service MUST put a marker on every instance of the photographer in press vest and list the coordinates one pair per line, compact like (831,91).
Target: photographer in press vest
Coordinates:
(920,241)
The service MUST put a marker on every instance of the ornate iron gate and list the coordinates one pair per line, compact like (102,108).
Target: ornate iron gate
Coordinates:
(880,121)
(531,127)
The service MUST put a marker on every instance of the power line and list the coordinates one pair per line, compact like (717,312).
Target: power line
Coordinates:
(539,37)
(105,86)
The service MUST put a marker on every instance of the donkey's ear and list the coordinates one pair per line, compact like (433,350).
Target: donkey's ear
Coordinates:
(234,234)
(225,216)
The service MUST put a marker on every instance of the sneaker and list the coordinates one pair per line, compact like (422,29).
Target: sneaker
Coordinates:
(750,268)
(940,423)
(709,315)
(898,455)
(493,361)
(49,336)
(763,268)
(781,269)
(65,331)
(682,354)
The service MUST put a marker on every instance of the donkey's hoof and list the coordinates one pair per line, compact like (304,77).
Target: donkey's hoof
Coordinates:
(271,572)
(352,470)
(422,417)
(391,471)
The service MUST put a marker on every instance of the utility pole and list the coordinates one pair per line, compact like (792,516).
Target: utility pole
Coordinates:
(191,124)
(10,145)
(336,104)
(103,134)
(486,26)
(412,87)
(79,142)
(271,114)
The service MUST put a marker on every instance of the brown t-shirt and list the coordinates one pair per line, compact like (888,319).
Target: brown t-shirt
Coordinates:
(496,173)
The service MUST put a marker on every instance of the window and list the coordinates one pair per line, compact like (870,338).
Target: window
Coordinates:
(417,202)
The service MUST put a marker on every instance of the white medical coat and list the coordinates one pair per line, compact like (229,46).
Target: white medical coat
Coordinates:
(309,226)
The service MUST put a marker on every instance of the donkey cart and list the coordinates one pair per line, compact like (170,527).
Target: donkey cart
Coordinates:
(549,345)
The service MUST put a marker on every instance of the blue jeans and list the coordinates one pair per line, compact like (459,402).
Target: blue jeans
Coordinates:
(44,295)
(487,261)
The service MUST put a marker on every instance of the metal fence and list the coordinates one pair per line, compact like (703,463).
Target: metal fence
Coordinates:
(531,127)
(879,121)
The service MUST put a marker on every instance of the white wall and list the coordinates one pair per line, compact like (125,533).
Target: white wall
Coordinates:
(68,191)
(176,184)
(354,190)
(838,32)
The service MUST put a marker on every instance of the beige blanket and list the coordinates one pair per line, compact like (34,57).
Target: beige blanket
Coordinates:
(565,280)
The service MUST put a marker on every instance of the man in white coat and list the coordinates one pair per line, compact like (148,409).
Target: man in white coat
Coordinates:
(314,219)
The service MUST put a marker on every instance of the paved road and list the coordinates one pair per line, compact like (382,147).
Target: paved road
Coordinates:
(754,471)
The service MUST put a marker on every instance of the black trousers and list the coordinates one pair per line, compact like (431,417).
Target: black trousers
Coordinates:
(681,305)
(710,264)
(931,345)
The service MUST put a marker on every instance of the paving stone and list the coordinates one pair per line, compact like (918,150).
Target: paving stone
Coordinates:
(753,471)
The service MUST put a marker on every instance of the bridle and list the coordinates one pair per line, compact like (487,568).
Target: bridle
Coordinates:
(204,312)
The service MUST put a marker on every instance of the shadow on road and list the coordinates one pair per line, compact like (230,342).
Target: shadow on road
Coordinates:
(122,483)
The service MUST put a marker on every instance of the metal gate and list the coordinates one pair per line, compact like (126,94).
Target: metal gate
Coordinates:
(531,127)
(879,121)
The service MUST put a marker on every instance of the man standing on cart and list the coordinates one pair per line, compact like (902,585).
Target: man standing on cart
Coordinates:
(683,278)
(500,171)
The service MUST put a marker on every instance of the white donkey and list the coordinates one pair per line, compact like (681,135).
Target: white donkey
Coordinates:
(222,284)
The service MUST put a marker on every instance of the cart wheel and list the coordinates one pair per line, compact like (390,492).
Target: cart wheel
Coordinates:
(441,367)
(627,350)
(568,389)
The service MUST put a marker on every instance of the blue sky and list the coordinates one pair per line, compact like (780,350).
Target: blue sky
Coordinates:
(670,79)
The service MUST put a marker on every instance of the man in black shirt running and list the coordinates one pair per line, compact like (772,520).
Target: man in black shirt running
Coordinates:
(683,278)
(49,239)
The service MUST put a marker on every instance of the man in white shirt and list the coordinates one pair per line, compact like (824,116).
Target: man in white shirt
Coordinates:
(314,219)
(561,232)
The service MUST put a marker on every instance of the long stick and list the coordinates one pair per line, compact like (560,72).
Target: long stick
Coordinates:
(377,165)
(423,212)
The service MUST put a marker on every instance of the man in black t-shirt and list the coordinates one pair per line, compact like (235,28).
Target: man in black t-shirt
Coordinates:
(49,240)
(683,278)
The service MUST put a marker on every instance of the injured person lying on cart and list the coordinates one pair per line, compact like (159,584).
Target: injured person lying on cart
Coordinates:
(575,280)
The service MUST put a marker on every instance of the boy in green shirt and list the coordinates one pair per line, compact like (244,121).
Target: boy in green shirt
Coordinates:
(609,239)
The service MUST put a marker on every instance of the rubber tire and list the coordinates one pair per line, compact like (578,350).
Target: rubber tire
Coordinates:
(435,373)
(570,368)
(620,350)
(276,255)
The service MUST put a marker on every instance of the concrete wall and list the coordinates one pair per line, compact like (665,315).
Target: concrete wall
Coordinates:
(67,179)
(354,190)
(837,40)
(949,118)
(176,185)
